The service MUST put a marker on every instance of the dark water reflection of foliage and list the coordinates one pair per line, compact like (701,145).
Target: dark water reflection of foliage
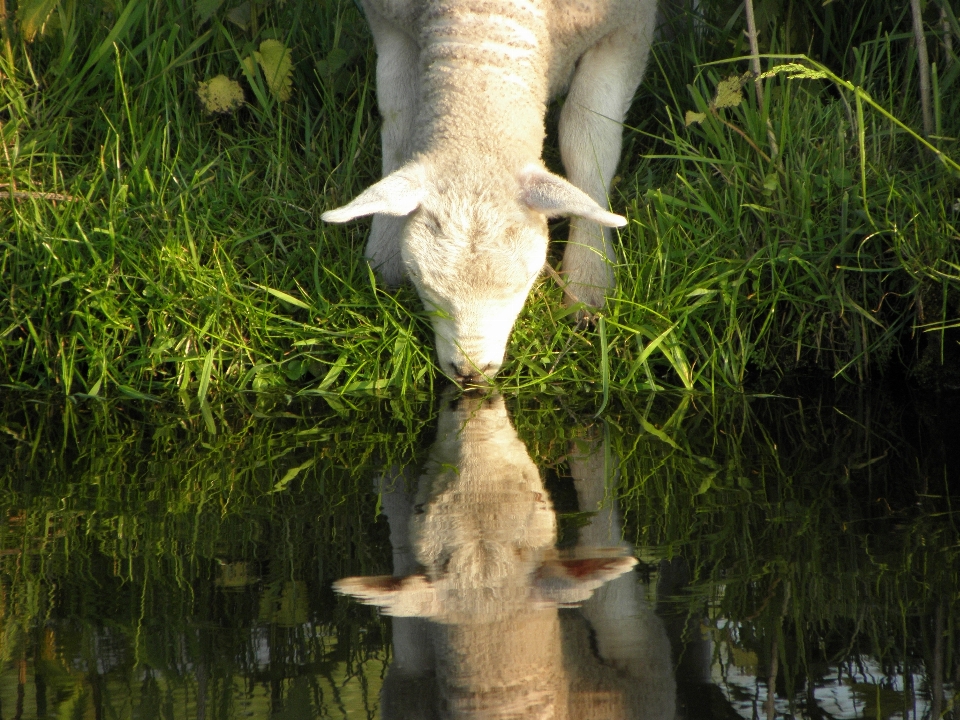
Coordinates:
(149,568)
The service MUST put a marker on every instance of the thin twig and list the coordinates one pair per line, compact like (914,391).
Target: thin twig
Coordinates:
(5,33)
(26,195)
(754,50)
(585,316)
(923,61)
(771,704)
(936,682)
(561,354)
(947,34)
(755,67)
(563,285)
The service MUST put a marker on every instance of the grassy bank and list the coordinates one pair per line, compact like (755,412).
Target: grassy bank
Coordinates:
(152,247)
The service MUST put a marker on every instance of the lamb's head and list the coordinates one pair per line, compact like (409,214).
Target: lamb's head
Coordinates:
(473,245)
(473,263)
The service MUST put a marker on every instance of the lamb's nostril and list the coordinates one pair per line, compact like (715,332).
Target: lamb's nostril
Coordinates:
(469,374)
(466,374)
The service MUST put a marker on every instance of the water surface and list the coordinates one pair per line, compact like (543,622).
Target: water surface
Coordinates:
(715,557)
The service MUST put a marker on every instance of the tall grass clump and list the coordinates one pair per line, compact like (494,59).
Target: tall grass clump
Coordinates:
(151,245)
(815,231)
(812,539)
(165,164)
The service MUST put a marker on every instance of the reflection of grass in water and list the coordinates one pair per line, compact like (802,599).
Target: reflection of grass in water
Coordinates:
(171,545)
(196,562)
(818,531)
(821,530)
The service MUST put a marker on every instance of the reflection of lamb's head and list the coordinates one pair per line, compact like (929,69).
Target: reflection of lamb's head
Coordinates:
(486,517)
(484,530)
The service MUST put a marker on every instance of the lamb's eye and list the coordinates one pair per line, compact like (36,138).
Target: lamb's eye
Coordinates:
(431,221)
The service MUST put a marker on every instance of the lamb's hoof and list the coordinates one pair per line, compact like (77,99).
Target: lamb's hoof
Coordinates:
(584,300)
(585,317)
(586,303)
(389,276)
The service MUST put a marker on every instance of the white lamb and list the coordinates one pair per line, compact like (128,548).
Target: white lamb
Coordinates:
(463,87)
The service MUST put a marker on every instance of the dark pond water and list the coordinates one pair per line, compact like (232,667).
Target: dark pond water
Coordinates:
(715,557)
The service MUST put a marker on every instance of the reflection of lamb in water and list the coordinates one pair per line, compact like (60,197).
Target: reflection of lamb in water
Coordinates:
(477,632)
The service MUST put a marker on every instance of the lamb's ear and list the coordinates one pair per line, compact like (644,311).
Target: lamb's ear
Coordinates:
(572,581)
(399,193)
(410,596)
(552,195)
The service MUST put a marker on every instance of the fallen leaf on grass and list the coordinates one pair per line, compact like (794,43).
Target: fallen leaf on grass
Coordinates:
(275,61)
(220,94)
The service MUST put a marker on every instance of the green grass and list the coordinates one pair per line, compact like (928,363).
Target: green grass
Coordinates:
(151,249)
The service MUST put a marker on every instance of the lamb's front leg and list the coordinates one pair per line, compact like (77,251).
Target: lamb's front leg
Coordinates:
(627,632)
(398,87)
(408,688)
(591,137)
